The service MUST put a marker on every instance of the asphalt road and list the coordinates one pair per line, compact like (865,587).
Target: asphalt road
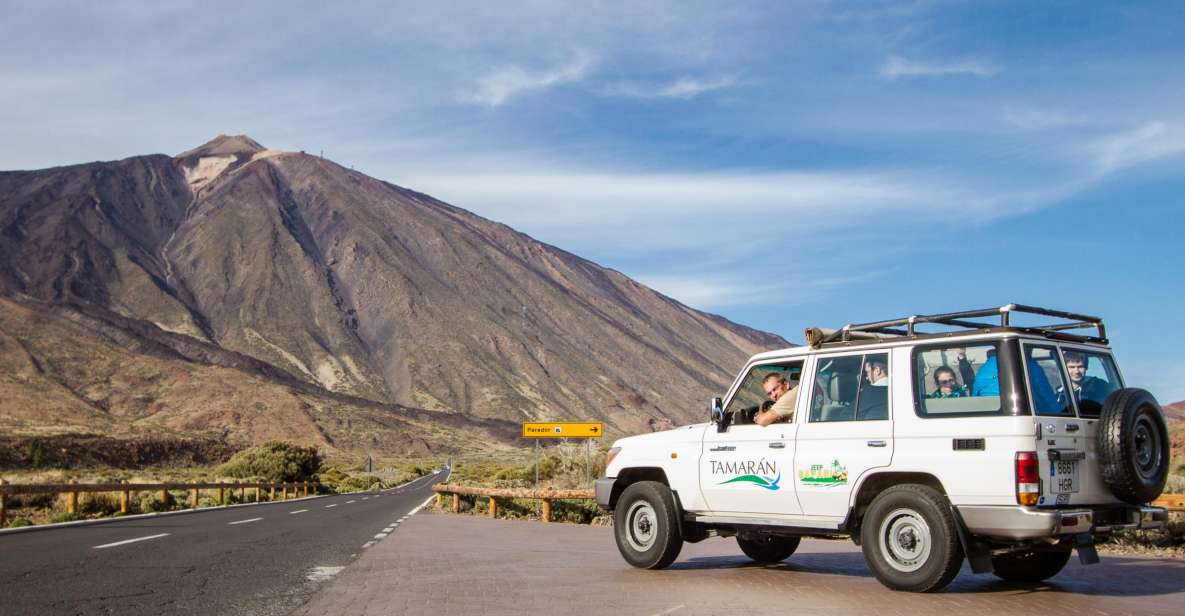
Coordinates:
(260,560)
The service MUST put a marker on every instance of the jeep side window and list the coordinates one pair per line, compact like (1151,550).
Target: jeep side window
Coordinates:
(850,388)
(1046,384)
(957,380)
(1092,378)
(750,397)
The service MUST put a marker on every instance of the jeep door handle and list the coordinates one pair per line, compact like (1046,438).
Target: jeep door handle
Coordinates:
(724,448)
(777,445)
(876,443)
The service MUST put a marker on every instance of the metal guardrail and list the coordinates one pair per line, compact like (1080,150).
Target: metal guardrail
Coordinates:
(125,490)
(494,494)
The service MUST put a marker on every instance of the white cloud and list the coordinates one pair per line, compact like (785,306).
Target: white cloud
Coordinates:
(684,88)
(1043,119)
(896,66)
(1129,148)
(503,84)
(777,287)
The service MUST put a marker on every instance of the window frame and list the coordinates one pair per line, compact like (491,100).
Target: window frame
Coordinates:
(736,389)
(1065,378)
(1062,349)
(1004,365)
(863,355)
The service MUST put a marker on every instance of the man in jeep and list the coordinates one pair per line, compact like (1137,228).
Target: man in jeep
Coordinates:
(784,395)
(1085,387)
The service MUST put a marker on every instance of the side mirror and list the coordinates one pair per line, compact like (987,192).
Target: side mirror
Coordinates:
(716,411)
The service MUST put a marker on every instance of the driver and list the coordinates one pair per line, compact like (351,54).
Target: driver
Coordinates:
(784,395)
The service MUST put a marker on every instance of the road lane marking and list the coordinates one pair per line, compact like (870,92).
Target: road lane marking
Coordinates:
(381,536)
(330,506)
(389,528)
(127,541)
(668,611)
(348,502)
(365,498)
(244,521)
(297,511)
(367,544)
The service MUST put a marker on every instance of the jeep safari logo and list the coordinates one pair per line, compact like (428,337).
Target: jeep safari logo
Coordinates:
(757,472)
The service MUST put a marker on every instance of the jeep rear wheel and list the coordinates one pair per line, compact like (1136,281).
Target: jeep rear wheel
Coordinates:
(1030,565)
(768,549)
(646,525)
(909,539)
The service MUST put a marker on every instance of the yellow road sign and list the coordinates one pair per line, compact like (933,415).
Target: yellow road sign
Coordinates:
(566,429)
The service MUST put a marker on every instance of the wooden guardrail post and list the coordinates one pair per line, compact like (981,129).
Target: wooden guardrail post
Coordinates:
(125,497)
(242,493)
(547,510)
(271,492)
(456,503)
(194,497)
(439,499)
(306,488)
(164,497)
(72,500)
(3,504)
(283,491)
(221,495)
(493,507)
(258,492)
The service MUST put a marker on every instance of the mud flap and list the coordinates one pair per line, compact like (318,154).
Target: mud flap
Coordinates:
(1087,555)
(979,553)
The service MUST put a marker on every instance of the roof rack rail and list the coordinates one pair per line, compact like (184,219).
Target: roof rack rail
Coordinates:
(906,326)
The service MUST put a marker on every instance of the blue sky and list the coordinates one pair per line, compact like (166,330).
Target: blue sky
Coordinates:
(783,164)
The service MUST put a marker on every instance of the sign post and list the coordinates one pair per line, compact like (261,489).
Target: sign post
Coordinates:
(564,429)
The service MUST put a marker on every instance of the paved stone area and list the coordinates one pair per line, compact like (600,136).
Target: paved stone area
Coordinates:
(450,564)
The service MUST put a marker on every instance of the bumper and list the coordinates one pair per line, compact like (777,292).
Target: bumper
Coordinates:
(1025,523)
(604,490)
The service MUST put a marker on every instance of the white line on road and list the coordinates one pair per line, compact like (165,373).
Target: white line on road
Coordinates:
(674,609)
(348,502)
(127,541)
(297,511)
(365,498)
(367,544)
(244,521)
(381,536)
(389,528)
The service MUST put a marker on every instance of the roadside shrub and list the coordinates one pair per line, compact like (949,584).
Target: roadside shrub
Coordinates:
(149,503)
(33,501)
(20,523)
(98,503)
(65,516)
(275,461)
(360,482)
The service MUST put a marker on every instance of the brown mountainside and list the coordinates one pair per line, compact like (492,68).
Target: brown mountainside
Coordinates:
(294,271)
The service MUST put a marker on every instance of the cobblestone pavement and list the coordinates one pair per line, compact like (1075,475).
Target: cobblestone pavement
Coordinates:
(450,564)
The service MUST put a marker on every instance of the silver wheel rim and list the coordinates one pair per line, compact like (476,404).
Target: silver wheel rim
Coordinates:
(905,540)
(640,526)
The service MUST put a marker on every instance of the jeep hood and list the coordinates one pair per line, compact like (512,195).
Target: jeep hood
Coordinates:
(676,435)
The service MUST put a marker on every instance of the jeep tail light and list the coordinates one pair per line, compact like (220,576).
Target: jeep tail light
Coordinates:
(612,454)
(1028,479)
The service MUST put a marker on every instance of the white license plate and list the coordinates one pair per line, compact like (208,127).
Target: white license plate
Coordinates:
(1063,477)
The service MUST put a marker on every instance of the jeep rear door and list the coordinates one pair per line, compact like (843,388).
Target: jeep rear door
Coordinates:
(847,431)
(1067,422)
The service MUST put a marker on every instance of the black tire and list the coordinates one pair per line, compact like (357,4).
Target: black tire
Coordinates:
(768,549)
(646,525)
(1133,444)
(909,539)
(1030,565)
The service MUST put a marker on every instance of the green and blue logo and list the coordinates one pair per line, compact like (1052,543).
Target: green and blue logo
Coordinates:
(761,473)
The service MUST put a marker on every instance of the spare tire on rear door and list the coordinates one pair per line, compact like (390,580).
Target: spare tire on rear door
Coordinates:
(1133,445)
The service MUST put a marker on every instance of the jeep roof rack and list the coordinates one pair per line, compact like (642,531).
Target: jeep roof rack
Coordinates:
(893,328)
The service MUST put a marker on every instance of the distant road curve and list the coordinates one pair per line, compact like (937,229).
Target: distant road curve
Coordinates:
(265,559)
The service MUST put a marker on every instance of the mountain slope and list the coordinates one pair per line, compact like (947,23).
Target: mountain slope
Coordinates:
(354,286)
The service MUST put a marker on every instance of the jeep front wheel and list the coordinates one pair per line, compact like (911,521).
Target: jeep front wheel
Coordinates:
(909,539)
(768,549)
(646,525)
(1030,565)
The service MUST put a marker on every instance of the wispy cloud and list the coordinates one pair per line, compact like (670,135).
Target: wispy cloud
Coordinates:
(684,88)
(1042,119)
(1129,148)
(503,84)
(895,66)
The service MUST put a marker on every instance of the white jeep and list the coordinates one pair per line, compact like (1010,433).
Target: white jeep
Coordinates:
(1004,443)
